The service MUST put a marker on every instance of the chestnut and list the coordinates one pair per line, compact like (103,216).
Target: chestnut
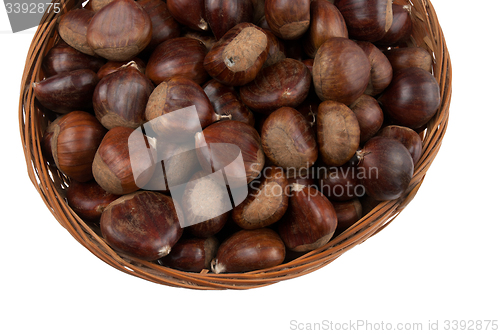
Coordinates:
(124,161)
(412,98)
(348,213)
(326,22)
(74,142)
(266,203)
(192,255)
(338,133)
(341,71)
(120,98)
(73,29)
(401,58)
(143,224)
(64,58)
(190,13)
(113,66)
(88,199)
(408,137)
(310,220)
(387,168)
(366,20)
(226,102)
(248,250)
(340,183)
(288,19)
(232,12)
(284,84)
(182,56)
(217,149)
(400,29)
(381,69)
(120,30)
(238,56)
(67,91)
(276,49)
(369,115)
(288,140)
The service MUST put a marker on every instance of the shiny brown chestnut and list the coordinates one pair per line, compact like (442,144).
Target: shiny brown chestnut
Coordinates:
(369,115)
(223,15)
(276,49)
(238,56)
(288,19)
(64,58)
(190,13)
(326,22)
(341,71)
(310,220)
(288,139)
(124,161)
(73,29)
(348,213)
(412,98)
(88,199)
(120,30)
(144,224)
(191,255)
(113,66)
(226,102)
(67,91)
(338,133)
(284,84)
(381,69)
(387,168)
(400,29)
(74,142)
(401,58)
(248,250)
(408,137)
(267,201)
(120,98)
(219,145)
(366,20)
(339,183)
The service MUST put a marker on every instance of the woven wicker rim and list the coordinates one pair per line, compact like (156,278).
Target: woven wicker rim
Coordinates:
(51,184)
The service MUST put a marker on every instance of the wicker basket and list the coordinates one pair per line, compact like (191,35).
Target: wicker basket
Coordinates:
(51,184)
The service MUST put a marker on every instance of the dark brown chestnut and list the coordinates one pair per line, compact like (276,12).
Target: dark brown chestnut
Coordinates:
(192,255)
(326,22)
(227,103)
(369,115)
(113,66)
(64,58)
(284,84)
(387,168)
(238,56)
(120,98)
(348,213)
(74,142)
(73,29)
(144,224)
(288,19)
(340,183)
(67,91)
(249,250)
(401,58)
(267,201)
(182,56)
(338,133)
(408,137)
(124,162)
(216,150)
(400,29)
(381,69)
(88,199)
(341,71)
(412,98)
(223,15)
(310,220)
(288,139)
(190,13)
(120,30)
(366,20)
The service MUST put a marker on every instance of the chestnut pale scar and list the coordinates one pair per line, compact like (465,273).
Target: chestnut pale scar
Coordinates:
(244,50)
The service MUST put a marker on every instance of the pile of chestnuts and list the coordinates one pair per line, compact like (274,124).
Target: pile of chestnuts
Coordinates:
(326,101)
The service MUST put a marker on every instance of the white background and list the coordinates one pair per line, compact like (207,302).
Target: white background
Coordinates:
(437,261)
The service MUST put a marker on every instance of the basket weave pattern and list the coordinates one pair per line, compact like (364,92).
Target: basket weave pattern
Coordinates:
(51,184)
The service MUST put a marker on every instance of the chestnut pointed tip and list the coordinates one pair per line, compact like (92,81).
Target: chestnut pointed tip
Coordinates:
(217,267)
(298,187)
(164,251)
